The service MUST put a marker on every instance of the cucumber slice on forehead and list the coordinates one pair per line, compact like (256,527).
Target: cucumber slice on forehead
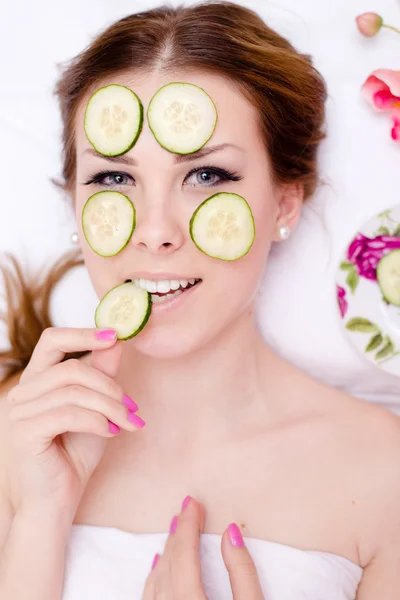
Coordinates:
(108,221)
(125,308)
(182,117)
(388,276)
(113,119)
(223,226)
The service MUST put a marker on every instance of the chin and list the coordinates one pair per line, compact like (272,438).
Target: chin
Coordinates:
(165,342)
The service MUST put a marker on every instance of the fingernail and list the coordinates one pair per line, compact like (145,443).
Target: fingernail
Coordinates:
(174,525)
(186,502)
(155,561)
(235,536)
(113,427)
(129,403)
(106,335)
(137,421)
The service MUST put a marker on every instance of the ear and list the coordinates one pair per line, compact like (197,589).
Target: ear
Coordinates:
(290,197)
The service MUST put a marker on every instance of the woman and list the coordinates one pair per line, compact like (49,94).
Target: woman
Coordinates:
(309,475)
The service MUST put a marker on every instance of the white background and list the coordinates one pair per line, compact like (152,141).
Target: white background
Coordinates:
(297,307)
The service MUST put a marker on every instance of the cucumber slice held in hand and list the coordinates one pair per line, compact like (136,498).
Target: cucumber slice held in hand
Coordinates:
(182,117)
(113,119)
(126,308)
(388,276)
(108,221)
(223,226)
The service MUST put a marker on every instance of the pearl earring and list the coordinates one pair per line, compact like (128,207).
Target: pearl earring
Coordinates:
(284,232)
(74,238)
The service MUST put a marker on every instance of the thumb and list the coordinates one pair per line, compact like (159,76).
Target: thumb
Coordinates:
(241,568)
(108,360)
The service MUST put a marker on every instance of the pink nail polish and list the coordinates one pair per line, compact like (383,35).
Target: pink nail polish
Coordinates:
(106,335)
(136,420)
(186,502)
(113,427)
(174,525)
(235,536)
(129,403)
(155,561)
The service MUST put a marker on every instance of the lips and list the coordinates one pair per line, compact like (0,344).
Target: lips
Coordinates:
(165,289)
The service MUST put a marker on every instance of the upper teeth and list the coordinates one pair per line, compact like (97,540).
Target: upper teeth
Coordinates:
(164,286)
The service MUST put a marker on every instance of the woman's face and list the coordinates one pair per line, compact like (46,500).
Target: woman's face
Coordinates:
(165,190)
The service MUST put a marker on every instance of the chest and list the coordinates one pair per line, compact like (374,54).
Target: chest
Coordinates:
(288,491)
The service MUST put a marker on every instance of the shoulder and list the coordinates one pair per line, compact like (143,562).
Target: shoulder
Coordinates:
(369,436)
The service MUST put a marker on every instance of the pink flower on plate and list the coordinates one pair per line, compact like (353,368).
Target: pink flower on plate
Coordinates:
(365,253)
(341,298)
(382,91)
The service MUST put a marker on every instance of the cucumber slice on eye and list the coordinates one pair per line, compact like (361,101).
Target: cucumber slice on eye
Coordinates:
(182,117)
(125,308)
(388,276)
(223,226)
(108,221)
(113,119)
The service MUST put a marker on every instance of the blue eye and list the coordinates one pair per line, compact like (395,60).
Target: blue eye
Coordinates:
(116,177)
(210,176)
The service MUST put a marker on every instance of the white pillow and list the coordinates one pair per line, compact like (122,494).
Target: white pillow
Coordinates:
(297,304)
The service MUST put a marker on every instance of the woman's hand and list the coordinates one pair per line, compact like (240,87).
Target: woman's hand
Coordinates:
(61,415)
(176,575)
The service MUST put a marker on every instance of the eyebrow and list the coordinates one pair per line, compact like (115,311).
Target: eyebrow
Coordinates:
(179,158)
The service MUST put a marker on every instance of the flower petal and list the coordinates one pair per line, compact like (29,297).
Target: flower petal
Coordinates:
(383,100)
(370,88)
(395,114)
(390,78)
(396,133)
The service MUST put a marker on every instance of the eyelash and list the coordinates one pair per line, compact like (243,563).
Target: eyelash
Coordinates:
(223,173)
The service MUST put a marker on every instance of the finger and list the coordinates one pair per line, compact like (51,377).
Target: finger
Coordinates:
(70,372)
(240,565)
(182,550)
(38,433)
(78,396)
(149,591)
(108,360)
(55,342)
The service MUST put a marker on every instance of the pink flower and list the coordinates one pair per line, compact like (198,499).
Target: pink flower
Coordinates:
(341,298)
(369,23)
(382,91)
(365,252)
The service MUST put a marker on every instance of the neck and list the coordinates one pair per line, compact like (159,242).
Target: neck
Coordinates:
(213,386)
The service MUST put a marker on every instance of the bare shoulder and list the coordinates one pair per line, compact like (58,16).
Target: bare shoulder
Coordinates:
(369,437)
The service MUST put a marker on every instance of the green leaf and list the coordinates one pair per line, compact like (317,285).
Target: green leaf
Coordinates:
(384,214)
(374,342)
(352,280)
(387,349)
(361,325)
(383,230)
(346,266)
(396,232)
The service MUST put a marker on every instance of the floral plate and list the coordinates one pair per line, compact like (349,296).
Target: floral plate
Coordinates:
(372,324)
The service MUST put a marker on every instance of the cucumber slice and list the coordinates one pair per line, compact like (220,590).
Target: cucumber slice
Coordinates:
(182,117)
(113,119)
(223,226)
(108,221)
(388,276)
(125,308)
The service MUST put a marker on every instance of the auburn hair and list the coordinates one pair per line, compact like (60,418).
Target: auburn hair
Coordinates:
(218,37)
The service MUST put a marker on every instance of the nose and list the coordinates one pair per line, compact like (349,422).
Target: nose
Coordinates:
(157,230)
